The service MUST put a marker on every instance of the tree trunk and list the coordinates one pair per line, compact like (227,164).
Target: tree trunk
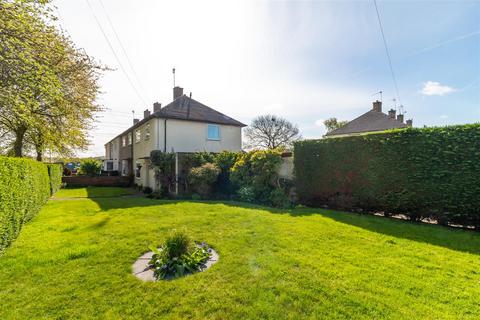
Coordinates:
(18,145)
(39,155)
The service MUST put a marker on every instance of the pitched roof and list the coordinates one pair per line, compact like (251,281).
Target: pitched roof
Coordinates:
(185,108)
(367,122)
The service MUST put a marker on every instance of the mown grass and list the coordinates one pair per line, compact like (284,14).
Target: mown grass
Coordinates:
(92,192)
(74,261)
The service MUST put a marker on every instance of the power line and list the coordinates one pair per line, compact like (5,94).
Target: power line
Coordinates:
(135,75)
(114,53)
(387,52)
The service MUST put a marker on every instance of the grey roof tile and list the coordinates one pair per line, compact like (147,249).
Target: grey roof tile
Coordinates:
(367,122)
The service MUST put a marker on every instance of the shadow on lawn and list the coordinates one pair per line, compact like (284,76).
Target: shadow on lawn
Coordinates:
(459,240)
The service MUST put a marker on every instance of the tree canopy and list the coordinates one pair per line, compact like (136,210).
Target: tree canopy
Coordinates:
(48,86)
(333,124)
(271,132)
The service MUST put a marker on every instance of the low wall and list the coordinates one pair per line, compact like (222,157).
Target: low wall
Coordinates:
(102,181)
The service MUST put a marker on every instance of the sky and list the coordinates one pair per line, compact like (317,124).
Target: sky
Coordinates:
(303,60)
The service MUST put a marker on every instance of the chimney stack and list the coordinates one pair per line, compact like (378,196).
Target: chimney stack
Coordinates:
(391,113)
(400,118)
(146,113)
(377,106)
(177,92)
(135,121)
(409,123)
(157,106)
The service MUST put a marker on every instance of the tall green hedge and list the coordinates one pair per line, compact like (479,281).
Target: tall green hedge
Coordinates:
(24,188)
(55,172)
(428,172)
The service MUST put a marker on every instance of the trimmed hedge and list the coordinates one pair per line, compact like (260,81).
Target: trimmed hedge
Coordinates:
(55,173)
(423,173)
(24,188)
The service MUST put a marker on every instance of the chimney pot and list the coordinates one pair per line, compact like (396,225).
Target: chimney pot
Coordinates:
(400,118)
(135,121)
(377,106)
(391,113)
(146,113)
(409,123)
(157,106)
(177,92)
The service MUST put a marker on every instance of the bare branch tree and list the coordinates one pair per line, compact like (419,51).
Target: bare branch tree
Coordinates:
(271,132)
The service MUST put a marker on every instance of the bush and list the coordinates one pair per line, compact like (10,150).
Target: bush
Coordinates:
(259,171)
(202,178)
(90,167)
(428,172)
(246,194)
(55,171)
(24,188)
(164,165)
(279,198)
(178,256)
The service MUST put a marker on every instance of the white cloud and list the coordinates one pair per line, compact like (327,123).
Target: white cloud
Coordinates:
(443,116)
(319,123)
(433,88)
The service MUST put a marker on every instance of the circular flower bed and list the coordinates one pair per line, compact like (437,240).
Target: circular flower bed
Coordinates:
(176,257)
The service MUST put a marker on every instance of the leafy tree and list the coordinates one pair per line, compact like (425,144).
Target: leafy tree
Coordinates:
(271,132)
(49,87)
(333,124)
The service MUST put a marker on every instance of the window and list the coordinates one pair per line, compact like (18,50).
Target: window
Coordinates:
(124,141)
(138,135)
(213,132)
(129,138)
(147,131)
(109,166)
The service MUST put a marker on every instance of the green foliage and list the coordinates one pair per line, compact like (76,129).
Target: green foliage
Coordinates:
(55,172)
(279,198)
(49,86)
(90,167)
(24,188)
(258,170)
(178,256)
(246,194)
(164,165)
(428,172)
(202,178)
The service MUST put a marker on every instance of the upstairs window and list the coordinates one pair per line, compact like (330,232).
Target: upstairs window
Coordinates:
(147,131)
(124,141)
(213,132)
(138,135)
(129,138)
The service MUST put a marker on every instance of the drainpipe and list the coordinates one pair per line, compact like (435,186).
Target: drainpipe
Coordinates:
(165,135)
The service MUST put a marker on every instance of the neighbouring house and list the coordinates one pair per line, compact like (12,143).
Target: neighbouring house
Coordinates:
(371,121)
(183,126)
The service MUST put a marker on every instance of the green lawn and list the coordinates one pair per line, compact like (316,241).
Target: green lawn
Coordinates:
(92,192)
(74,261)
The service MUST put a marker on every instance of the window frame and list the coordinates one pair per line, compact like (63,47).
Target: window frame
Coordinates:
(138,135)
(147,132)
(130,138)
(219,137)
(124,141)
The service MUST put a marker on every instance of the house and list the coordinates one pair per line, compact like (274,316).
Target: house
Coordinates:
(183,126)
(371,121)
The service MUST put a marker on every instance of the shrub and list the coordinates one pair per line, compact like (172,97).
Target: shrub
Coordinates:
(279,198)
(202,178)
(147,190)
(178,256)
(55,171)
(246,194)
(428,172)
(24,188)
(90,167)
(258,170)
